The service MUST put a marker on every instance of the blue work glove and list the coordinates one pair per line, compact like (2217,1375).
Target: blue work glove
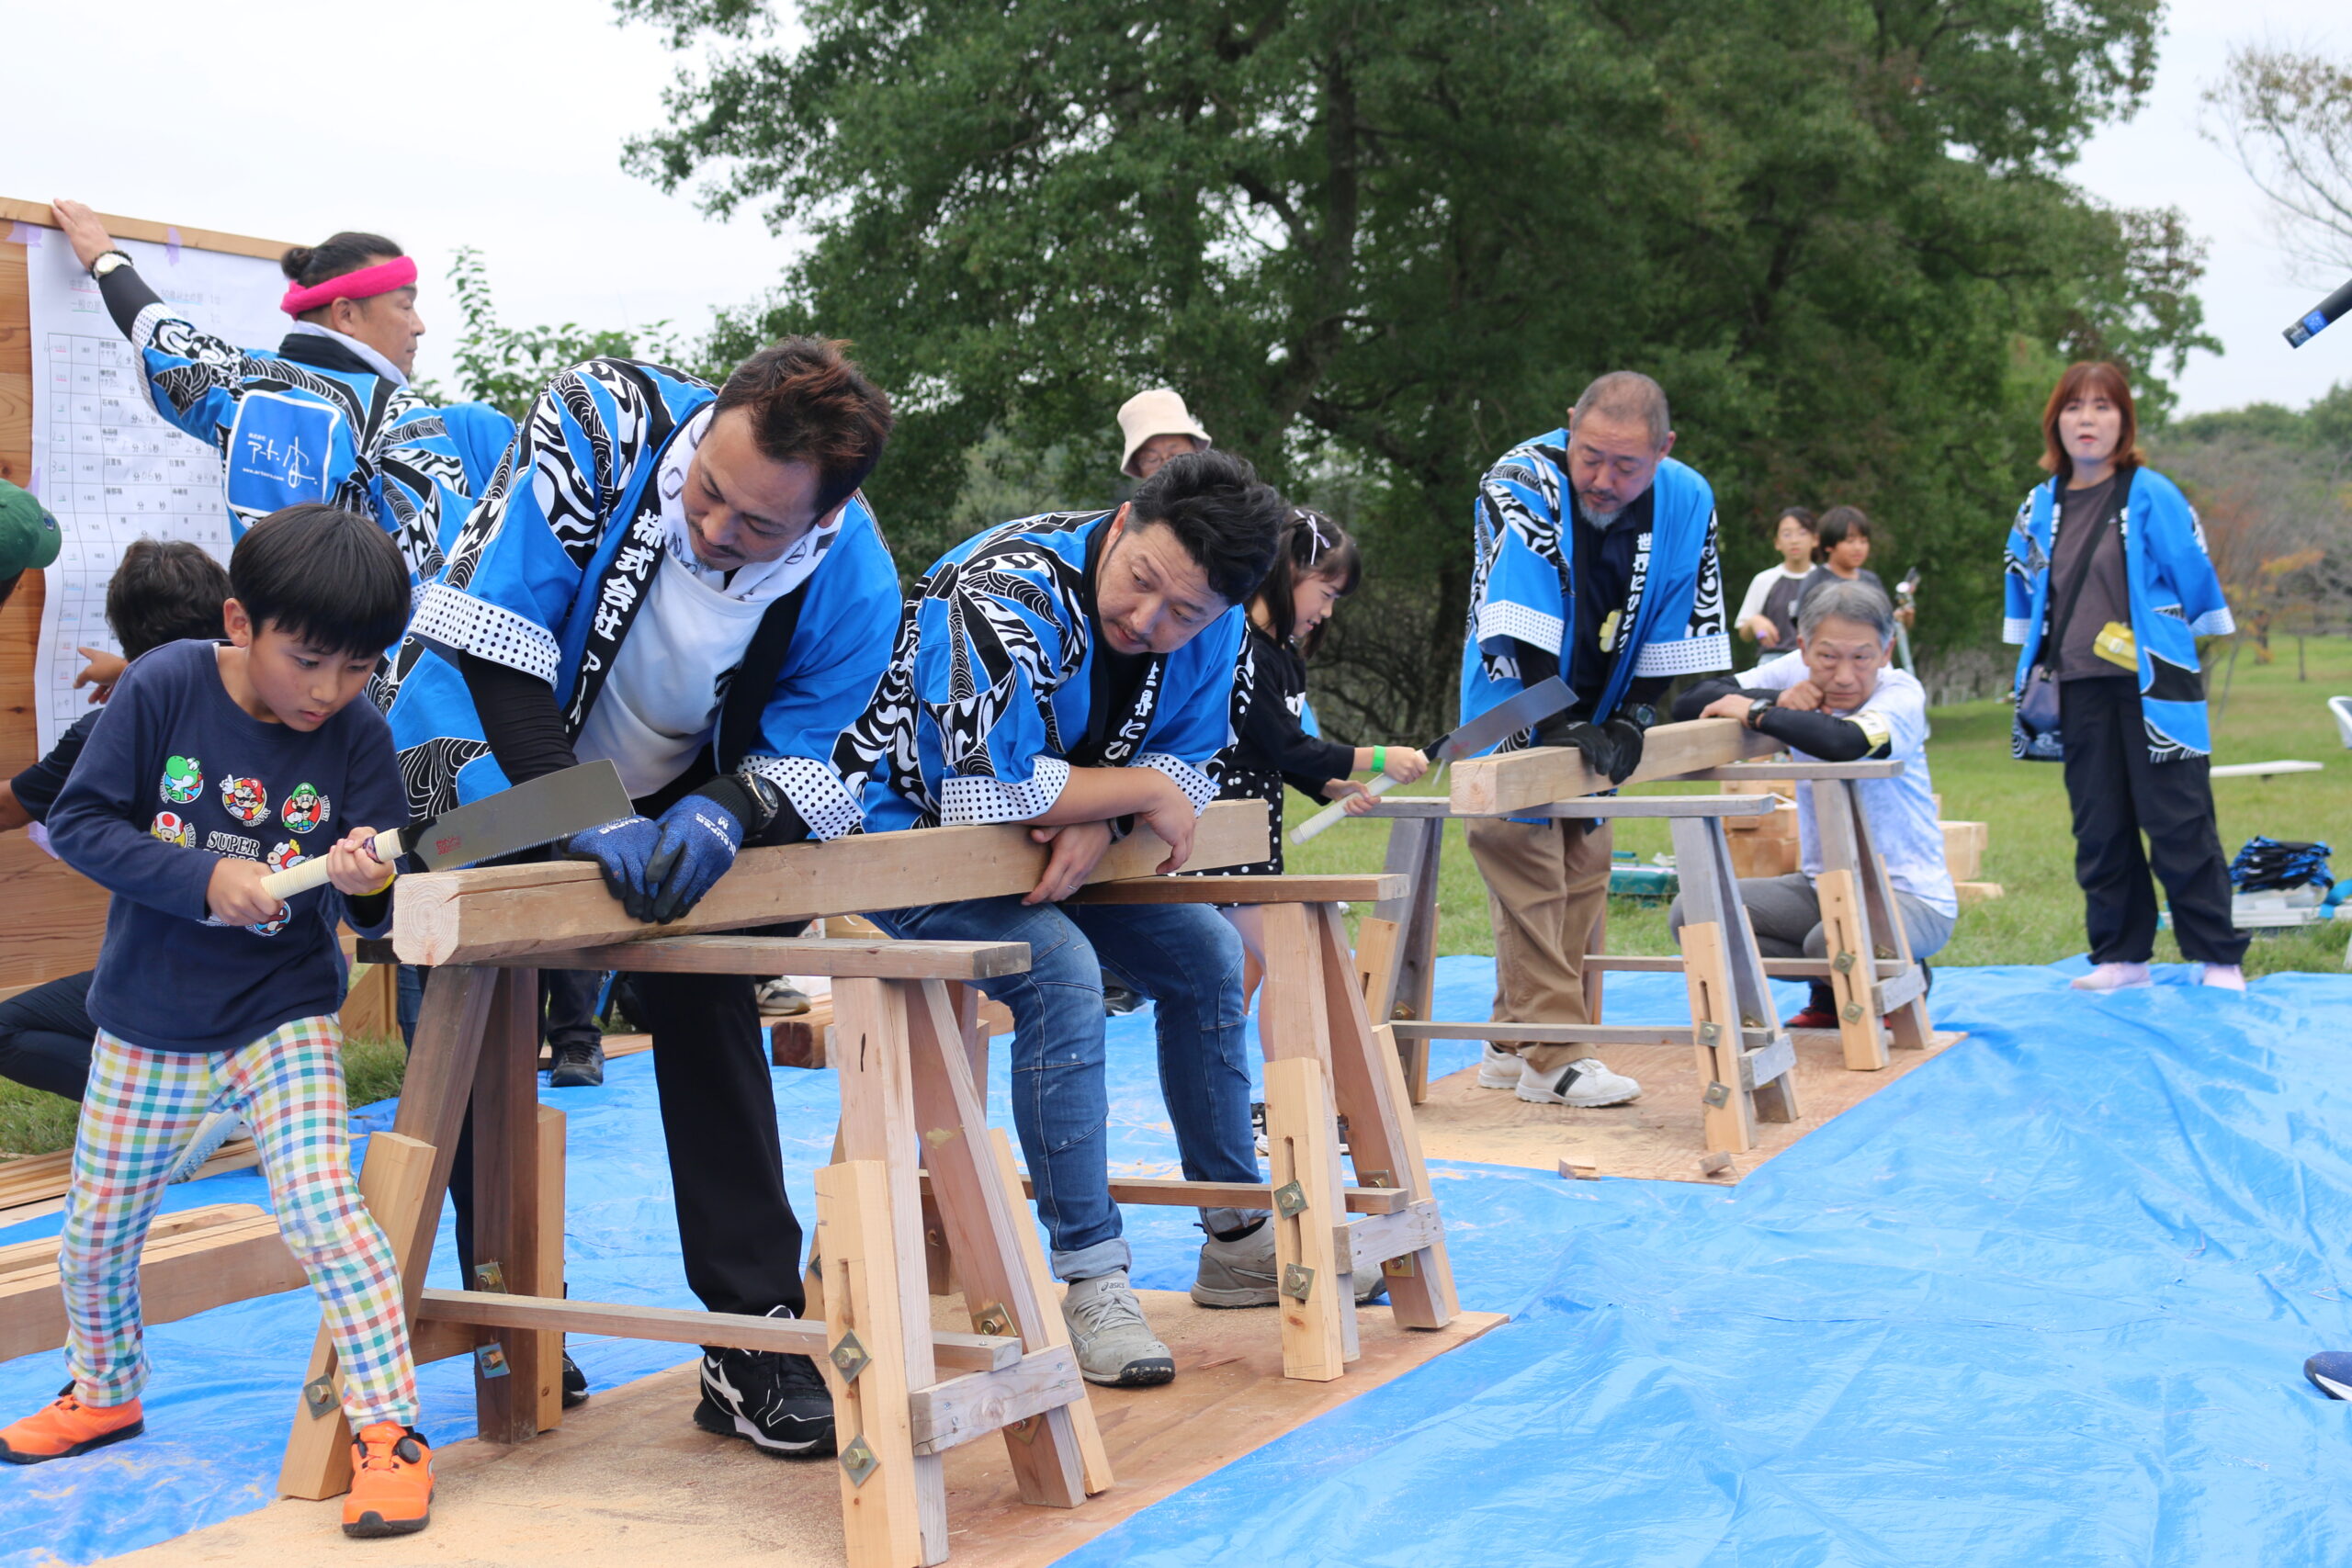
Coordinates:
(621,849)
(699,840)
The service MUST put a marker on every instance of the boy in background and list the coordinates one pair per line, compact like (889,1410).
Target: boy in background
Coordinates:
(212,766)
(165,590)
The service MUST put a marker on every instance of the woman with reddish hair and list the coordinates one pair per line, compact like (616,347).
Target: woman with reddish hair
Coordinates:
(2107,588)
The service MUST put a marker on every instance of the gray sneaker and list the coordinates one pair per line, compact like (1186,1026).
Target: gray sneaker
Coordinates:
(1241,1273)
(1115,1347)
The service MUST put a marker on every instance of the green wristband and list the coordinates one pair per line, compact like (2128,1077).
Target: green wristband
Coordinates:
(1380,758)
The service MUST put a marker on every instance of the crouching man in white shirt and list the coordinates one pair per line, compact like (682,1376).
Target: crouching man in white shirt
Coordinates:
(1837,700)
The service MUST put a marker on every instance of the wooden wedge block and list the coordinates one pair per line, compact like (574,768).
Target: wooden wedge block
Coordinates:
(1965,846)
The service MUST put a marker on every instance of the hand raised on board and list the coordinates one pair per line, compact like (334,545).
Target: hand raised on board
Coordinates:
(83,230)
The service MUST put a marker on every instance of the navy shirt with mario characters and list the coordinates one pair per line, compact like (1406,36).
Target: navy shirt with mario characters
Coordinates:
(176,776)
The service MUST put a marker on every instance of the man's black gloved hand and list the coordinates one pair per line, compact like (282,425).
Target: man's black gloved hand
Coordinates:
(1625,738)
(1599,746)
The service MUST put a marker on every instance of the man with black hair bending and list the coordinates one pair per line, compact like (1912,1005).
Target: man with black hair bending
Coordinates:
(1596,562)
(214,765)
(1075,671)
(687,582)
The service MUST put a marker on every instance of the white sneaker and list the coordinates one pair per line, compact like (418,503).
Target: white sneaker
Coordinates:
(1585,1083)
(1498,1069)
(2112,977)
(2227,976)
(216,1128)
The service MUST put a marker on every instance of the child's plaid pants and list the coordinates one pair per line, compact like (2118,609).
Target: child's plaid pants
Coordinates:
(137,1112)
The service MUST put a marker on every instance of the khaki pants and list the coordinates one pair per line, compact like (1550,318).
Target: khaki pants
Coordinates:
(1547,888)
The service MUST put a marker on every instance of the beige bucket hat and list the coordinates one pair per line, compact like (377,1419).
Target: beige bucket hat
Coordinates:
(1158,411)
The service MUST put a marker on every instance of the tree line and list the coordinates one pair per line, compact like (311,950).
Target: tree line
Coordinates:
(1374,245)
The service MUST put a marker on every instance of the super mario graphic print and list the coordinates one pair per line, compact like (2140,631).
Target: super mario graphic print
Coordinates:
(247,800)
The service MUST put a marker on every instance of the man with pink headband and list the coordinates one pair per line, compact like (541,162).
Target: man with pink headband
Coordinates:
(329,416)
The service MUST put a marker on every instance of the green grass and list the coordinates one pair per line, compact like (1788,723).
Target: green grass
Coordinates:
(2270,715)
(32,1122)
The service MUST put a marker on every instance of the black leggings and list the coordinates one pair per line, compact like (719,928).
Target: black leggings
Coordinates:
(2118,794)
(46,1035)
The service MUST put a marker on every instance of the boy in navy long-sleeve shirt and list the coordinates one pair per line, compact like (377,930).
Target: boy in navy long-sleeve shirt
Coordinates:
(214,765)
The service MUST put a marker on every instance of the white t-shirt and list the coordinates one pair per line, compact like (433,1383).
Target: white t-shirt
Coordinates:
(660,706)
(1761,584)
(1901,809)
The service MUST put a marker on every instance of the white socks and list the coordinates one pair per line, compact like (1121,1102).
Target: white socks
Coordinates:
(2116,977)
(2112,977)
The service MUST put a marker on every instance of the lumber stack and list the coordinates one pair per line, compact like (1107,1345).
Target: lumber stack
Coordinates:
(196,1260)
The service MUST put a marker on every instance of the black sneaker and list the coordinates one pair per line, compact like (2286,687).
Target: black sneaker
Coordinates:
(575,1384)
(778,1402)
(579,1063)
(1118,999)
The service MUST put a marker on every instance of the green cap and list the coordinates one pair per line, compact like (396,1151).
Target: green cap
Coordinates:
(28,534)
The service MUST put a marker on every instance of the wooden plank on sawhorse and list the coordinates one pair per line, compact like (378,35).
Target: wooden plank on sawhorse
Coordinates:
(492,912)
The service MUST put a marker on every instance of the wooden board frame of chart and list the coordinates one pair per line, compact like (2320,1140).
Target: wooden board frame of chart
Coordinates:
(56,918)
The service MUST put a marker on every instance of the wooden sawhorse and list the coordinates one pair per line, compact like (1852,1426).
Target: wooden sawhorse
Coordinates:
(1746,1061)
(1881,990)
(908,1100)
(1325,1057)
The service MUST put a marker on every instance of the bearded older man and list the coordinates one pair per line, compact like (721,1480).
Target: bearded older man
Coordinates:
(1596,563)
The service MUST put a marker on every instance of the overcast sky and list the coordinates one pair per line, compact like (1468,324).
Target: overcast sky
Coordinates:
(500,124)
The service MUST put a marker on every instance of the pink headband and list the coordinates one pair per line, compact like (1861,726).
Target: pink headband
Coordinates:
(366,284)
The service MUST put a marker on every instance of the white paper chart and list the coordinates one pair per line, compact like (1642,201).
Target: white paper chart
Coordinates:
(103,462)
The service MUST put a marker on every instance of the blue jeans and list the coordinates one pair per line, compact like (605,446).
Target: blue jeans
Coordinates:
(1188,961)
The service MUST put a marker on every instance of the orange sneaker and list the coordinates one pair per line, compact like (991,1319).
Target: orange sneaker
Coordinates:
(66,1427)
(391,1482)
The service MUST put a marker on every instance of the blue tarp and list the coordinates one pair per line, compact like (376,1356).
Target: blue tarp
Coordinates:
(2044,1300)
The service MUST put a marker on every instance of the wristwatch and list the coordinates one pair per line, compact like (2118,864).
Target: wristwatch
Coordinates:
(108,261)
(1758,707)
(1643,716)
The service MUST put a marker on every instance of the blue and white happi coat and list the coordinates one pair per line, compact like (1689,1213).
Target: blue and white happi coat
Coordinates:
(292,432)
(552,569)
(988,701)
(1522,587)
(2175,594)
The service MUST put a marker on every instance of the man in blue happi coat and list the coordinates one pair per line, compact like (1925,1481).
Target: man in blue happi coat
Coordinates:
(1075,671)
(1596,562)
(688,583)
